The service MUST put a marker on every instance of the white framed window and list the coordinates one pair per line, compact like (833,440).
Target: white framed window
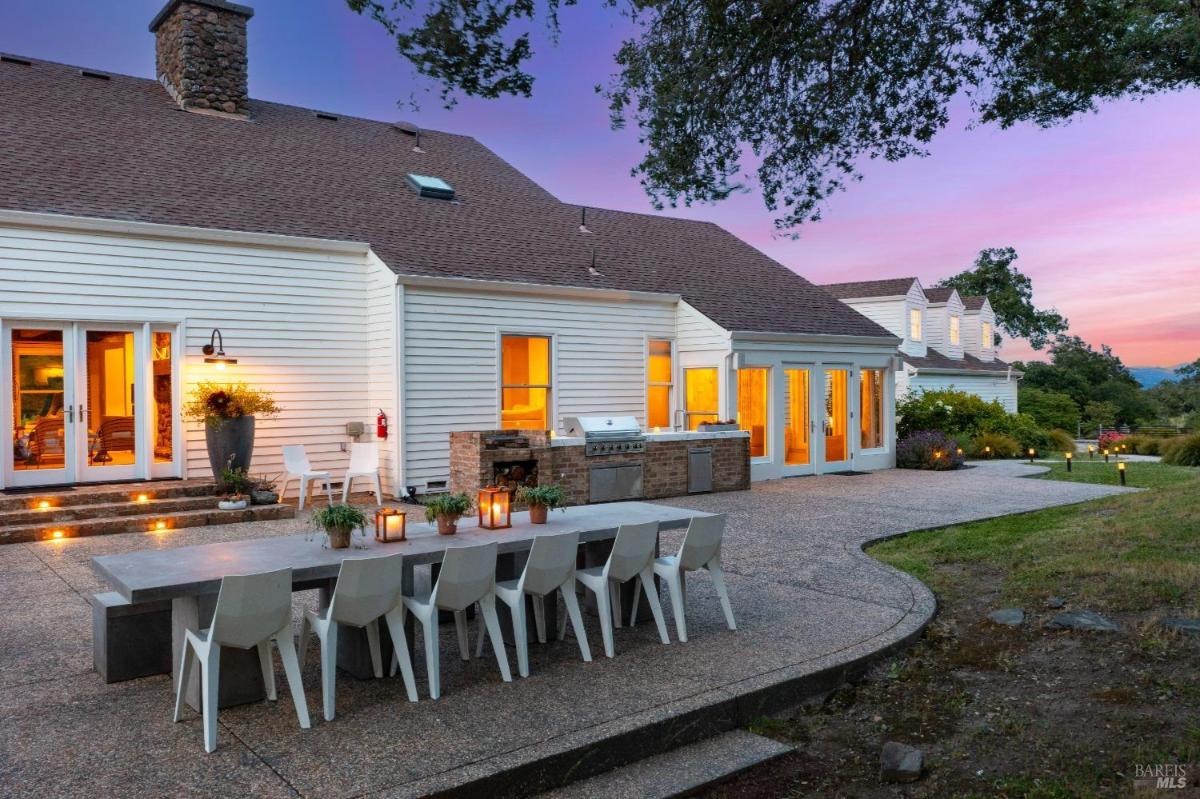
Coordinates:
(525,382)
(660,382)
(985,336)
(914,324)
(871,409)
(955,328)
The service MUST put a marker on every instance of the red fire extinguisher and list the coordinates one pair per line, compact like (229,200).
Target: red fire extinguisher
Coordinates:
(381,425)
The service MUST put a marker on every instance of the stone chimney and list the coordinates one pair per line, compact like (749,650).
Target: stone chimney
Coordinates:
(200,48)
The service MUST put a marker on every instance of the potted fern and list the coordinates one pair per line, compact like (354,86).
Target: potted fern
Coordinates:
(541,499)
(338,521)
(446,510)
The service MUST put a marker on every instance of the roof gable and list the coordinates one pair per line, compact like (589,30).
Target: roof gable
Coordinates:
(890,287)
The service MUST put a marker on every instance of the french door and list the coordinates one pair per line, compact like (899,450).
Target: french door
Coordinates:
(88,402)
(837,424)
(799,423)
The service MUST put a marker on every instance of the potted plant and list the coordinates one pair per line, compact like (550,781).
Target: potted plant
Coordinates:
(262,491)
(232,501)
(228,413)
(541,499)
(338,521)
(718,426)
(446,510)
(235,487)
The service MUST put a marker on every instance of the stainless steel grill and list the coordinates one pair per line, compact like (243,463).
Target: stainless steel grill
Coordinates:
(607,435)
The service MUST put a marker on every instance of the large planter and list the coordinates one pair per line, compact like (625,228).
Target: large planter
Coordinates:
(339,537)
(231,438)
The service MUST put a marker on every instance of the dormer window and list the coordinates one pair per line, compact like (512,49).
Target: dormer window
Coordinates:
(985,338)
(954,331)
(914,324)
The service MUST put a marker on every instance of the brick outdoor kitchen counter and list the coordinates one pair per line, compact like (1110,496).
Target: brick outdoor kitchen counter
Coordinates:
(515,458)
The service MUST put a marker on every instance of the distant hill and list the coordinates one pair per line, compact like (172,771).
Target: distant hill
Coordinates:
(1151,376)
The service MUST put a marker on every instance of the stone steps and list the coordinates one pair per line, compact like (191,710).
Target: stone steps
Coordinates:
(143,522)
(686,771)
(104,494)
(99,510)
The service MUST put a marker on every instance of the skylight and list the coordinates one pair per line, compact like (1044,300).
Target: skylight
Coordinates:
(427,186)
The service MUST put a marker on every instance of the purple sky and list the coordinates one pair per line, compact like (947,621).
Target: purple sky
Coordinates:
(1104,212)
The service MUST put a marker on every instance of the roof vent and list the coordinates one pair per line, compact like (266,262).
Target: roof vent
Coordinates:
(592,270)
(330,117)
(410,129)
(434,188)
(8,59)
(87,73)
(583,228)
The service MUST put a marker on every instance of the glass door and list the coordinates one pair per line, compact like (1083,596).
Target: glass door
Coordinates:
(40,364)
(109,377)
(837,420)
(799,427)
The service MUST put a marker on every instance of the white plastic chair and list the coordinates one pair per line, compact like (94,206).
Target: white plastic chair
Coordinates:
(701,549)
(550,568)
(367,589)
(253,610)
(298,467)
(364,462)
(632,557)
(468,575)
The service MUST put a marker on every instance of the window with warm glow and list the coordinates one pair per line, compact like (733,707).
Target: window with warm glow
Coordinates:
(837,448)
(164,416)
(871,396)
(914,324)
(985,338)
(954,330)
(659,383)
(752,408)
(525,382)
(700,396)
(796,401)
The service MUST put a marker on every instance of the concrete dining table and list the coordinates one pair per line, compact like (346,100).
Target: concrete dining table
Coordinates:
(189,577)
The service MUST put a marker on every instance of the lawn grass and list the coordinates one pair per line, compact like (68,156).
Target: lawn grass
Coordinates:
(1140,474)
(1131,552)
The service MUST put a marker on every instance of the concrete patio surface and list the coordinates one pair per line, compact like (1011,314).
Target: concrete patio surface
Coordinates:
(811,607)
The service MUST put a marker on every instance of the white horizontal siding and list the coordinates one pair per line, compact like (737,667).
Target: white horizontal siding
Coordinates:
(294,318)
(695,332)
(451,361)
(972,333)
(987,387)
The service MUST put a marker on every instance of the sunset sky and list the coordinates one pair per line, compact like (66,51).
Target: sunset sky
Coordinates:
(1105,212)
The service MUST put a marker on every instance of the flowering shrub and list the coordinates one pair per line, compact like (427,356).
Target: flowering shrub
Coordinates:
(1109,439)
(210,403)
(928,449)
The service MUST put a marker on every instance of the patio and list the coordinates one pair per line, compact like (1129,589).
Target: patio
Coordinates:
(809,606)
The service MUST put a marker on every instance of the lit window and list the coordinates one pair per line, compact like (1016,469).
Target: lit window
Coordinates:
(985,340)
(954,330)
(871,391)
(914,324)
(525,382)
(752,409)
(700,396)
(659,372)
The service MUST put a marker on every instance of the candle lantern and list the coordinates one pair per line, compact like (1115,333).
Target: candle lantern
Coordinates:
(389,525)
(495,511)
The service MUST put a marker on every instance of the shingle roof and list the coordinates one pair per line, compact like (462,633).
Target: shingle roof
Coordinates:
(121,149)
(892,287)
(974,303)
(941,362)
(938,294)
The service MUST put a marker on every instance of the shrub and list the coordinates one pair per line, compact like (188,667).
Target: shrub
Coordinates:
(1151,445)
(1109,439)
(928,449)
(1002,446)
(1022,428)
(1062,441)
(946,410)
(235,481)
(1049,409)
(339,516)
(1183,451)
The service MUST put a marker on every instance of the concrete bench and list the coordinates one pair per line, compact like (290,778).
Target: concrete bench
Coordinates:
(130,640)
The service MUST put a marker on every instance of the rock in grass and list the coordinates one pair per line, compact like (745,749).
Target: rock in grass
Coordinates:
(1182,625)
(1087,620)
(1056,602)
(900,763)
(1009,617)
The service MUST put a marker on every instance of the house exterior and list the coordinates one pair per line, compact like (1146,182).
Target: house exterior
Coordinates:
(355,268)
(948,340)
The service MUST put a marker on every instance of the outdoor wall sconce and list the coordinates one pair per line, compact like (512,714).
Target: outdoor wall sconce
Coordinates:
(1068,456)
(389,525)
(214,351)
(495,512)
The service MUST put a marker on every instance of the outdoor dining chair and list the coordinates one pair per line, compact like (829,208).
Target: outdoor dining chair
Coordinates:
(632,557)
(701,549)
(550,568)
(367,589)
(364,462)
(253,610)
(298,467)
(468,575)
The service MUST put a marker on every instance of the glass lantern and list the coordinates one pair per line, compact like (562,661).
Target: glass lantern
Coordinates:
(389,525)
(495,512)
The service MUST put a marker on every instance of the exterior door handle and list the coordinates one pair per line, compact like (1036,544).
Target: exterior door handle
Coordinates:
(70,415)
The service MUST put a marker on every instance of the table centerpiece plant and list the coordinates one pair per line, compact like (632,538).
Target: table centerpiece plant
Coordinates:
(541,500)
(338,521)
(446,510)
